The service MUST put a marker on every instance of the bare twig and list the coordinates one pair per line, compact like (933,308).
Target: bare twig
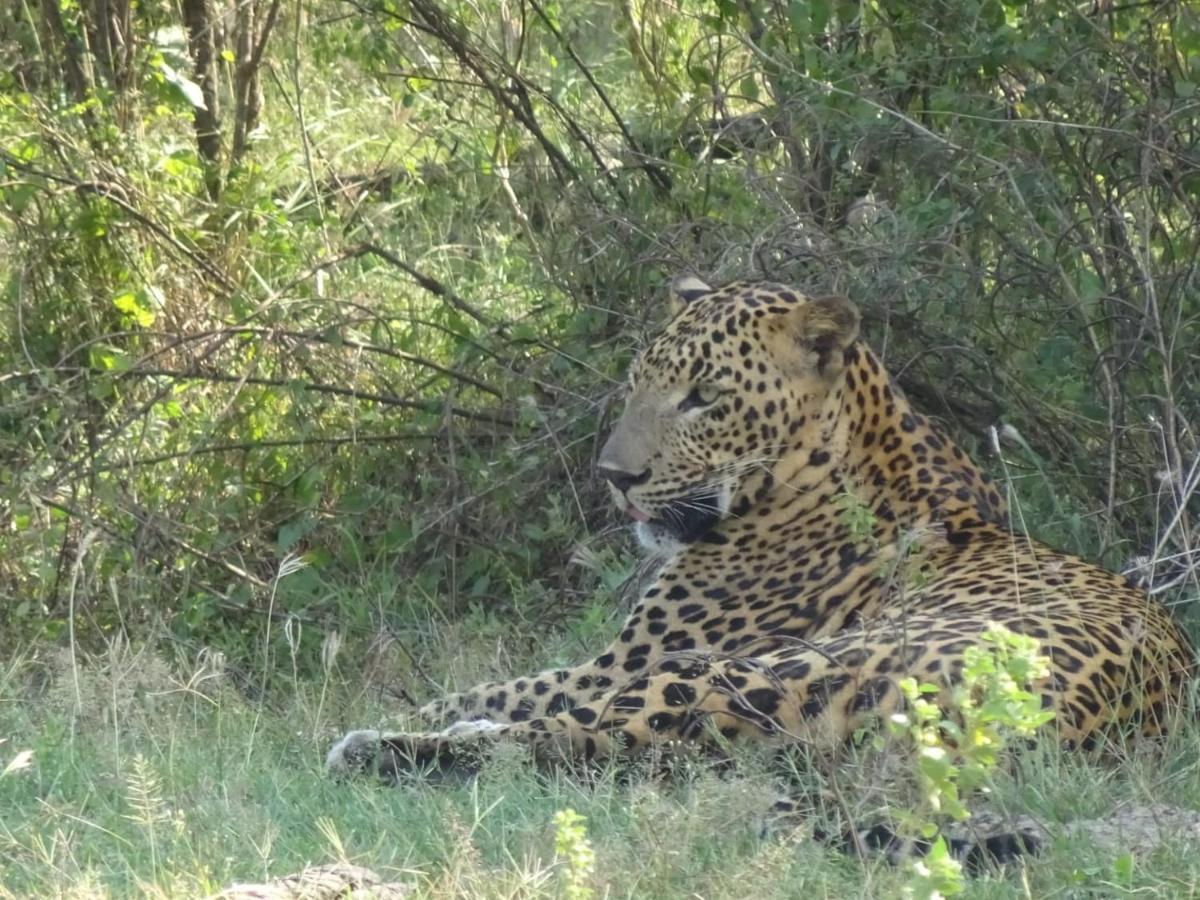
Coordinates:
(662,181)
(115,195)
(250,446)
(179,542)
(429,283)
(428,406)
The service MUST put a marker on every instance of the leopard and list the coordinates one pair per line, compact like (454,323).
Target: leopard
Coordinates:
(819,540)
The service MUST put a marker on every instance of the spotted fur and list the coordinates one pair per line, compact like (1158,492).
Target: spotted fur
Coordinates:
(823,541)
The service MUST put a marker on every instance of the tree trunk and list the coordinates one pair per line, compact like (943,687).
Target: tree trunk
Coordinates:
(206,120)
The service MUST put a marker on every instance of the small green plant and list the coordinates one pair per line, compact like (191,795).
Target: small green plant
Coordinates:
(147,809)
(856,515)
(910,569)
(572,846)
(957,753)
(937,875)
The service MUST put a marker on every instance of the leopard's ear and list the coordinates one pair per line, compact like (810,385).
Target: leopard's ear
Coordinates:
(822,326)
(687,289)
(831,324)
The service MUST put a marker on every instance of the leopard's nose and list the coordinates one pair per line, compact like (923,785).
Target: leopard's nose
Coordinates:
(623,481)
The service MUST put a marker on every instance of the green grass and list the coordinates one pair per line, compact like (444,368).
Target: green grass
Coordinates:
(162,779)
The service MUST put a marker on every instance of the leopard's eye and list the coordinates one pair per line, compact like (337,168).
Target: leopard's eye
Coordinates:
(698,397)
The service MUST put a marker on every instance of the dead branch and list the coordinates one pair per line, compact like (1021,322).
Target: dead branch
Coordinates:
(427,406)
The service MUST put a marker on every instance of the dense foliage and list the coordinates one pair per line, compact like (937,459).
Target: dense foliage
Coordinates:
(342,291)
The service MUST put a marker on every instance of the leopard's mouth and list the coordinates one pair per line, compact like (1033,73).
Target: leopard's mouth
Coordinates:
(689,518)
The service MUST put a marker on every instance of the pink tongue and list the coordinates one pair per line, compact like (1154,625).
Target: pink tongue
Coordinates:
(636,513)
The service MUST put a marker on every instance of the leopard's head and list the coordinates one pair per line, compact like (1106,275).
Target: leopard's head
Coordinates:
(739,378)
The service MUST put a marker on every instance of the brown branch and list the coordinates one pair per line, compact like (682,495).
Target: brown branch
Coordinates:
(327,263)
(246,446)
(401,355)
(261,46)
(662,181)
(116,195)
(427,406)
(430,284)
(252,42)
(72,53)
(179,542)
(438,25)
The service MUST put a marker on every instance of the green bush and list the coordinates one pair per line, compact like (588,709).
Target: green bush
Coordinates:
(361,287)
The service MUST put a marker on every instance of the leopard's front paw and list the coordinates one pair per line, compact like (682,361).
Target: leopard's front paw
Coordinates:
(452,754)
(388,756)
(355,753)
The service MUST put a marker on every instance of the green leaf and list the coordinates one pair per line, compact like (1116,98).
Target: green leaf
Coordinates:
(188,89)
(883,47)
(799,17)
(308,485)
(728,10)
(1090,286)
(101,358)
(821,12)
(181,164)
(292,532)
(134,306)
(1123,866)
(18,195)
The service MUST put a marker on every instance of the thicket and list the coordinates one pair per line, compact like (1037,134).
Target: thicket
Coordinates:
(344,288)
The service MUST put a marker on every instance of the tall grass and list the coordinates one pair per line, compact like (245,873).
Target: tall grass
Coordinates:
(162,778)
